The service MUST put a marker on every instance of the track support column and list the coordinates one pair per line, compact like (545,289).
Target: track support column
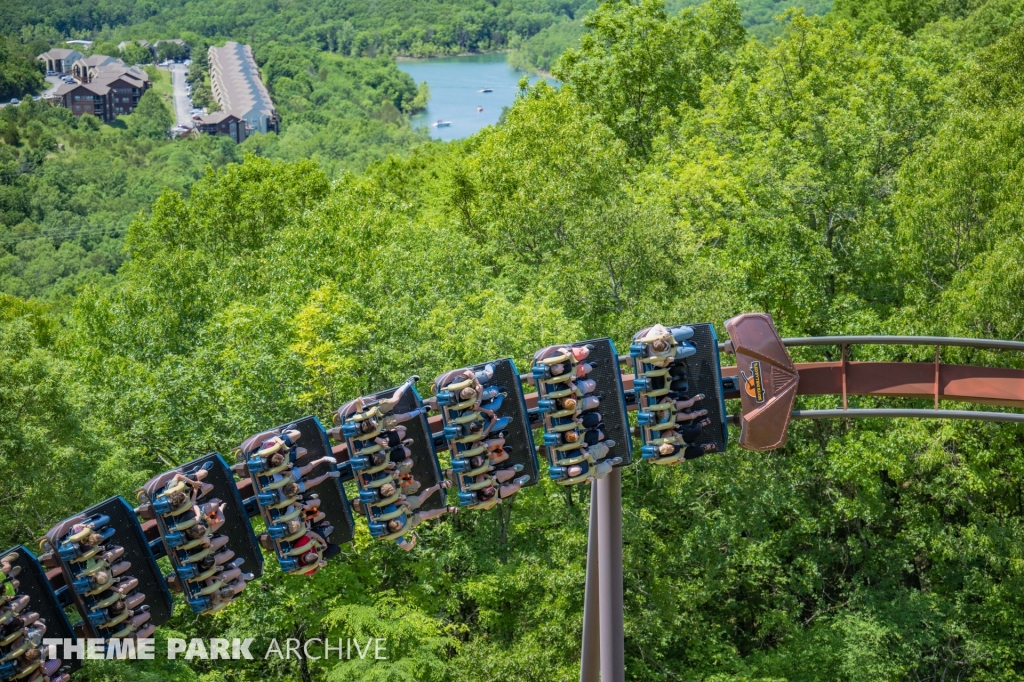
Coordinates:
(609,544)
(590,658)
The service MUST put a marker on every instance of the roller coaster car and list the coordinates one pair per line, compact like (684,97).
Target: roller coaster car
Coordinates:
(278,512)
(133,554)
(32,582)
(378,467)
(492,426)
(333,501)
(678,384)
(768,380)
(234,530)
(580,398)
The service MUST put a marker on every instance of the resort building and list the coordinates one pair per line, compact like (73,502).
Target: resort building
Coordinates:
(238,88)
(84,69)
(106,91)
(222,123)
(59,60)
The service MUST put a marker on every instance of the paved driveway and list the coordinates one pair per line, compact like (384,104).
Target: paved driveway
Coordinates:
(51,84)
(182,102)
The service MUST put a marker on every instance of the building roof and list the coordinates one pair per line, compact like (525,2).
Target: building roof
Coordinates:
(99,60)
(59,53)
(236,79)
(87,43)
(215,118)
(110,80)
(124,43)
(95,88)
(114,70)
(178,41)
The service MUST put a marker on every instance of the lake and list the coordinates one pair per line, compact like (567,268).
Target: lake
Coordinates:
(454,85)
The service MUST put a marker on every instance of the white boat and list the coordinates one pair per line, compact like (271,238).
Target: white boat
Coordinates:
(441,124)
(486,90)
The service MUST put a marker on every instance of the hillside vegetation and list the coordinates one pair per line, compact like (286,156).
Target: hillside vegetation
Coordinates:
(360,28)
(340,106)
(70,187)
(860,174)
(760,17)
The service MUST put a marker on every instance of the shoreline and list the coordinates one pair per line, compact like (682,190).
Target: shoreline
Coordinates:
(534,72)
(404,58)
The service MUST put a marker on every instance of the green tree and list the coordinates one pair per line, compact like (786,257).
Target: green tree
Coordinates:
(167,50)
(637,64)
(135,53)
(20,75)
(541,51)
(908,16)
(104,47)
(152,117)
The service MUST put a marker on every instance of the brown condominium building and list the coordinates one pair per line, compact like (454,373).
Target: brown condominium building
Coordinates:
(84,70)
(238,88)
(108,90)
(223,123)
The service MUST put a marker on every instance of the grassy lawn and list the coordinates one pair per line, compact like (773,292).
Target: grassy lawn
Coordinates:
(162,84)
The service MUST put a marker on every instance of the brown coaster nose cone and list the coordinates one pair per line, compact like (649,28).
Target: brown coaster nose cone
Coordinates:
(767,381)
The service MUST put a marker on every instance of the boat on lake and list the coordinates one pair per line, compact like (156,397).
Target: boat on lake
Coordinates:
(486,90)
(479,109)
(441,124)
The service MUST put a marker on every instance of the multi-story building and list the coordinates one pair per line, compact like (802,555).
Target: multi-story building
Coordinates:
(83,98)
(113,70)
(237,87)
(222,123)
(84,70)
(110,92)
(81,68)
(60,60)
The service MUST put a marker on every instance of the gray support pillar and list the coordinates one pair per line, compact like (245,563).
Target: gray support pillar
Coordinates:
(609,542)
(590,659)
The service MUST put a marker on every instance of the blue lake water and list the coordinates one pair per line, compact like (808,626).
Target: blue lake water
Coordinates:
(454,85)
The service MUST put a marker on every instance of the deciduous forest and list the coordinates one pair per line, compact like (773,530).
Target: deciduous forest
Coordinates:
(857,172)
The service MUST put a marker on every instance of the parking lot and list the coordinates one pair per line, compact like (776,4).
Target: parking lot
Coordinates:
(182,96)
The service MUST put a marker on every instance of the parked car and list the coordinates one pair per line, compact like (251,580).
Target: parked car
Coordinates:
(15,100)
(51,73)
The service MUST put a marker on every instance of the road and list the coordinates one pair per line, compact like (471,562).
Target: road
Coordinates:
(182,102)
(51,84)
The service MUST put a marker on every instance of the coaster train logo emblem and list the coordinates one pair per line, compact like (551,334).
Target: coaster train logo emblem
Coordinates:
(754,385)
